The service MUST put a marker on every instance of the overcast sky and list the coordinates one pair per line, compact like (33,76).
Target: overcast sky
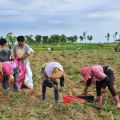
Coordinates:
(69,17)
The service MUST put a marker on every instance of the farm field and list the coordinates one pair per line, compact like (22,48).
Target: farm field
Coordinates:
(73,46)
(74,33)
(26,104)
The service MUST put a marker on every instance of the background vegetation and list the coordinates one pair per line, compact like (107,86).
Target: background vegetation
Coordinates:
(27,105)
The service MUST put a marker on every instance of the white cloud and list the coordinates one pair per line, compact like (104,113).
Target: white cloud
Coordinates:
(59,16)
(110,14)
(50,5)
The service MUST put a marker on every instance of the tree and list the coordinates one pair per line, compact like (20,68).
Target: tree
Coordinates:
(89,37)
(63,38)
(107,36)
(54,39)
(38,38)
(72,38)
(11,39)
(84,36)
(45,39)
(29,38)
(115,35)
(81,38)
(75,38)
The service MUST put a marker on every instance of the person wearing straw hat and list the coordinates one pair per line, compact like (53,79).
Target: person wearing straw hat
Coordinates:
(51,72)
(103,77)
(22,51)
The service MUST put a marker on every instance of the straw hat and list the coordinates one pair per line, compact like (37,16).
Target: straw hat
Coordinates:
(56,74)
(20,52)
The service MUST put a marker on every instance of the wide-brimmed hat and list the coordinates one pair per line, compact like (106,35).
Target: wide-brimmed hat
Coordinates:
(56,74)
(85,72)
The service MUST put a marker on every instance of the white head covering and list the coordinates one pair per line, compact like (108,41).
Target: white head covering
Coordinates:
(50,66)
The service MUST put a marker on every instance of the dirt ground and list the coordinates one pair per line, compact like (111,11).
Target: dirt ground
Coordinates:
(26,104)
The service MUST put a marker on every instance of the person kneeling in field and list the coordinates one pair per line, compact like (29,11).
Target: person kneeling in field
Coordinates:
(103,77)
(9,69)
(51,72)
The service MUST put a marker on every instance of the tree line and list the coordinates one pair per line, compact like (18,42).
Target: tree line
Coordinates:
(85,37)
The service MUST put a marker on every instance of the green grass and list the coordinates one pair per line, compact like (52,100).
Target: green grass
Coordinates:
(24,106)
(73,46)
(17,98)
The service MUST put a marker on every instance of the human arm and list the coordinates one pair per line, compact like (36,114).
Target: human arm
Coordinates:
(87,85)
(62,81)
(23,56)
(61,84)
(13,53)
(26,54)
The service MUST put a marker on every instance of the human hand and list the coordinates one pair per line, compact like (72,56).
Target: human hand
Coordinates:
(55,86)
(84,92)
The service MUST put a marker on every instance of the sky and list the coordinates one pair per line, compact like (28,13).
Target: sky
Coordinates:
(69,17)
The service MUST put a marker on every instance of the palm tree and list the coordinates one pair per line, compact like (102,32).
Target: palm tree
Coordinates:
(115,35)
(90,37)
(84,36)
(81,38)
(107,36)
